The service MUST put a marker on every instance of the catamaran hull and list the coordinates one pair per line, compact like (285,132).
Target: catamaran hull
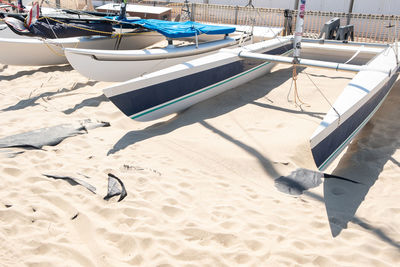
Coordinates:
(124,65)
(356,105)
(38,52)
(176,88)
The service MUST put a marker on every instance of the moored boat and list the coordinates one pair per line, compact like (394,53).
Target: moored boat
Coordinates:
(127,64)
(175,88)
(47,36)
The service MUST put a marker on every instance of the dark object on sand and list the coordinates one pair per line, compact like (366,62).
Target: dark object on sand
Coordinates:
(115,187)
(302,179)
(73,181)
(50,136)
(298,181)
(75,216)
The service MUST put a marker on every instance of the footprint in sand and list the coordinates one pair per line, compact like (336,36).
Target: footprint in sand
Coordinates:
(171,211)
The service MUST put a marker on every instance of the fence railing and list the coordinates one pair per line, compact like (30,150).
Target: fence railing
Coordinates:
(367,28)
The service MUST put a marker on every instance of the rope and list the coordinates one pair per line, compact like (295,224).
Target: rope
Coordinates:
(296,93)
(52,49)
(319,90)
(74,26)
(51,28)
(113,34)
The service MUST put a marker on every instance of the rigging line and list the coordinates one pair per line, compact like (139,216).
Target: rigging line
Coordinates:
(112,34)
(326,99)
(296,96)
(355,54)
(76,11)
(51,28)
(270,29)
(290,90)
(48,46)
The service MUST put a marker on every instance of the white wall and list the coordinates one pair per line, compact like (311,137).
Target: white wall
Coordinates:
(387,7)
(328,6)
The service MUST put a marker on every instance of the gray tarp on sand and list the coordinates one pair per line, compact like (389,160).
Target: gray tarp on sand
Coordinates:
(50,136)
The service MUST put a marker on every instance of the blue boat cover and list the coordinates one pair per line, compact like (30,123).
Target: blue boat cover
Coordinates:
(172,29)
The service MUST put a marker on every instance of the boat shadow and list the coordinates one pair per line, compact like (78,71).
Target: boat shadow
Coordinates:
(32,101)
(330,77)
(219,105)
(46,69)
(214,107)
(318,115)
(89,102)
(211,108)
(333,188)
(363,162)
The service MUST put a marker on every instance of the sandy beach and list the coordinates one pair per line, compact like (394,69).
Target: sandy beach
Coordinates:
(200,184)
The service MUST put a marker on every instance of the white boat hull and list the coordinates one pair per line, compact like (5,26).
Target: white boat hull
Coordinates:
(354,107)
(38,52)
(118,66)
(125,65)
(176,88)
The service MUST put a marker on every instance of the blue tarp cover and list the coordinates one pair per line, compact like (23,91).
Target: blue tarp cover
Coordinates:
(173,29)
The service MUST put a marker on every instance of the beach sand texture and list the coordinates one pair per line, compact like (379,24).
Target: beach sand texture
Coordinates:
(200,184)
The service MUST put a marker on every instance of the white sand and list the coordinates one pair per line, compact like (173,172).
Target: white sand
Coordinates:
(200,185)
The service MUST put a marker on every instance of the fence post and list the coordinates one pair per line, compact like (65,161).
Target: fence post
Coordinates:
(236,14)
(192,13)
(288,22)
(350,11)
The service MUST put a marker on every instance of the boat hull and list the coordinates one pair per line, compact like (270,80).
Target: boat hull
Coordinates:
(177,88)
(38,52)
(124,65)
(353,108)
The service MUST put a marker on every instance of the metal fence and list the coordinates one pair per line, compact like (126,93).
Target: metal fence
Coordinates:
(367,28)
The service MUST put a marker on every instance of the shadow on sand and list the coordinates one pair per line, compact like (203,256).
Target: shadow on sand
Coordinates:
(334,189)
(219,105)
(45,69)
(363,162)
(89,102)
(31,101)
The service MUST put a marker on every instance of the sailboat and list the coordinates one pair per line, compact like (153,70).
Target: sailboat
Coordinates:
(184,44)
(46,37)
(185,41)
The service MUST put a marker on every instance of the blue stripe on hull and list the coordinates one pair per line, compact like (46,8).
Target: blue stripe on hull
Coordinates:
(326,150)
(136,101)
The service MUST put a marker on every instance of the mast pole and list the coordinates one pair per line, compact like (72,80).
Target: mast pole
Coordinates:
(122,11)
(299,31)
